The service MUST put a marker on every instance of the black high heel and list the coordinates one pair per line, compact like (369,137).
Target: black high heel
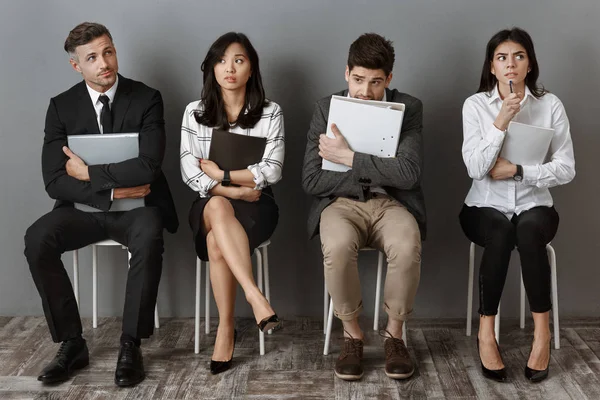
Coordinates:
(498,375)
(269,323)
(533,374)
(216,367)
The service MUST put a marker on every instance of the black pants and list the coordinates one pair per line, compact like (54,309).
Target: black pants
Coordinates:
(64,229)
(530,231)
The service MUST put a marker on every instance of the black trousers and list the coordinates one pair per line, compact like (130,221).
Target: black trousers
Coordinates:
(530,231)
(65,229)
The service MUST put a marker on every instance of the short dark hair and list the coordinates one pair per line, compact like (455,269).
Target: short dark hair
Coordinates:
(83,34)
(488,80)
(372,51)
(213,113)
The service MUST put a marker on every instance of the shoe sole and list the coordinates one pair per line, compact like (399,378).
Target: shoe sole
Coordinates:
(271,325)
(348,377)
(400,376)
(127,384)
(77,365)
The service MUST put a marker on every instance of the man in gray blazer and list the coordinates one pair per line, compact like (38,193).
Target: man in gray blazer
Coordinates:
(378,203)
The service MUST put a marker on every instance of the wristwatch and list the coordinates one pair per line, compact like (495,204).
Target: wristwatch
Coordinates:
(226,178)
(519,175)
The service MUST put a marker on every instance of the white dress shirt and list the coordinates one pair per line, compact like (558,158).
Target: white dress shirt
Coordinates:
(195,144)
(95,96)
(483,141)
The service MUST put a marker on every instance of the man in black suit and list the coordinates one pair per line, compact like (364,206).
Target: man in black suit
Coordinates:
(104,102)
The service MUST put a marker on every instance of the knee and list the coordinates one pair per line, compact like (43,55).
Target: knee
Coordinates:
(503,237)
(146,233)
(38,241)
(399,252)
(214,253)
(529,234)
(217,207)
(339,249)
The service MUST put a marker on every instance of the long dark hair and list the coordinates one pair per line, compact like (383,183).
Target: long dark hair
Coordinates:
(213,113)
(517,35)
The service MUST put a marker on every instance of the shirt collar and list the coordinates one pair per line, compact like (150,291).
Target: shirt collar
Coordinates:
(495,95)
(94,95)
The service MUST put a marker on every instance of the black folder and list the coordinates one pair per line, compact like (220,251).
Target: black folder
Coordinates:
(232,151)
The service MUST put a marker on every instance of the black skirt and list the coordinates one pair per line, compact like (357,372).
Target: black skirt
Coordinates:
(259,220)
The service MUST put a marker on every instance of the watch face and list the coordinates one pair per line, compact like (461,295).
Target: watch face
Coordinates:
(518,178)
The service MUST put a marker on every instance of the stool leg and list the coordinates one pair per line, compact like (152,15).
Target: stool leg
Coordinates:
(76,275)
(259,272)
(470,288)
(522,318)
(497,325)
(325,308)
(197,310)
(378,291)
(329,324)
(94,286)
(266,277)
(554,280)
(207,300)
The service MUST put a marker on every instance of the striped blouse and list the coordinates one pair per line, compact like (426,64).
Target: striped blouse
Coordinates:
(195,144)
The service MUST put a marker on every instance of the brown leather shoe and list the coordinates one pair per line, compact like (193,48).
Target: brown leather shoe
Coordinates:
(398,364)
(349,364)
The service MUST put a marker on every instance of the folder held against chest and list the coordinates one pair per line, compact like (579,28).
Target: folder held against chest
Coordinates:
(232,151)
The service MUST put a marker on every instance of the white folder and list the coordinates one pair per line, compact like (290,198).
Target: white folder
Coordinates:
(369,126)
(526,144)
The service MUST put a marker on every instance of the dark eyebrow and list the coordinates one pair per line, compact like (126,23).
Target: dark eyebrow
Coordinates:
(90,54)
(241,55)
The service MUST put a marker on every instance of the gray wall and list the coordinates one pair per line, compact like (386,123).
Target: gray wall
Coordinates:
(303,48)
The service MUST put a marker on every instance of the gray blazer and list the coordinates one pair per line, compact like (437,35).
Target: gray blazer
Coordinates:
(399,176)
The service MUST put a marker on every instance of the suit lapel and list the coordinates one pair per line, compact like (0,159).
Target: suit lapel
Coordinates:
(85,110)
(121,103)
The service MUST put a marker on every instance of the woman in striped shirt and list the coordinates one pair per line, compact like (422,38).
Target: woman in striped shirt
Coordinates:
(235,210)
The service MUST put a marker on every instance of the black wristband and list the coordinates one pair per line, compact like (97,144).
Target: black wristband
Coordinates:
(226,178)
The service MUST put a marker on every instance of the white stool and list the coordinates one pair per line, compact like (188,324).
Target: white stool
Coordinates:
(107,242)
(328,306)
(554,283)
(260,268)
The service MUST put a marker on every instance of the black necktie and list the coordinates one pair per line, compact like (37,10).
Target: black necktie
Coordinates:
(105,115)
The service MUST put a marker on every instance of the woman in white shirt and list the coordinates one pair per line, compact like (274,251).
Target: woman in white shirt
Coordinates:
(235,210)
(509,205)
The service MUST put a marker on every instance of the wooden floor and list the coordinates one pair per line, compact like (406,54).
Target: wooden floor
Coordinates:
(447,365)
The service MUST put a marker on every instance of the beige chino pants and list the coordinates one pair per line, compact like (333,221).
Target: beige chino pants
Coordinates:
(383,224)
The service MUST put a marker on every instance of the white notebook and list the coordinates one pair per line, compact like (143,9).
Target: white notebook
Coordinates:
(369,126)
(526,144)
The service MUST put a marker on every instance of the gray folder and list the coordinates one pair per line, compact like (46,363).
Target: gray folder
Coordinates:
(232,151)
(106,149)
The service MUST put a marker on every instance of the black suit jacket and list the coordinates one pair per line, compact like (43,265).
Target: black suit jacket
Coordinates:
(136,108)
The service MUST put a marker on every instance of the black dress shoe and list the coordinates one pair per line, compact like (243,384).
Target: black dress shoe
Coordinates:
(130,365)
(269,323)
(216,367)
(72,355)
(533,374)
(498,375)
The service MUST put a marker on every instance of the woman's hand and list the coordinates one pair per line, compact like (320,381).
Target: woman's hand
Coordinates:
(248,194)
(510,108)
(211,169)
(503,169)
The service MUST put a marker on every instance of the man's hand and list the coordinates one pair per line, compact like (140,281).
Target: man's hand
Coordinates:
(335,150)
(248,194)
(503,169)
(211,169)
(75,166)
(135,192)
